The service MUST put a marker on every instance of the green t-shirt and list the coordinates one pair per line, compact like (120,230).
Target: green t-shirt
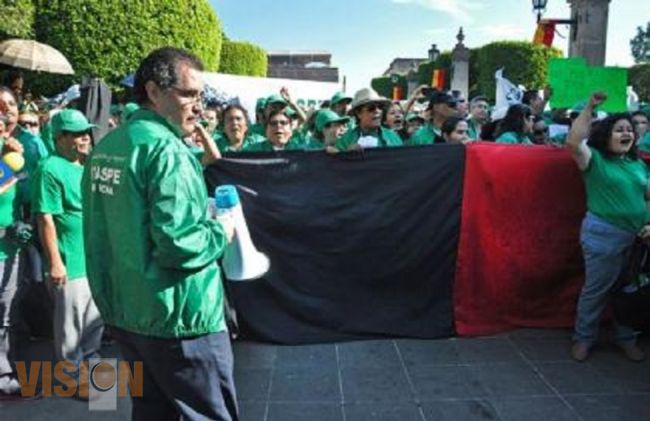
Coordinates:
(513,138)
(56,190)
(426,135)
(267,146)
(257,129)
(34,151)
(7,217)
(644,143)
(380,138)
(616,190)
(251,139)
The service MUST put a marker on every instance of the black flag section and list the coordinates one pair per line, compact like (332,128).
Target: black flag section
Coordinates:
(361,244)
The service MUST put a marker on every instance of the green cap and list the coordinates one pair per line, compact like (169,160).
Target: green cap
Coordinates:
(70,121)
(414,116)
(129,109)
(260,104)
(326,116)
(275,99)
(338,97)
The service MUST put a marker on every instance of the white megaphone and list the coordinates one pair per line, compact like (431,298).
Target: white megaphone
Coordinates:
(241,260)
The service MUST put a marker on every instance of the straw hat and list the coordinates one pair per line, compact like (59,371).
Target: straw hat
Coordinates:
(367,96)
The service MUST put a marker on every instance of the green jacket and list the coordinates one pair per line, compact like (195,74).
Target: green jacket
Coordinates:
(387,138)
(426,135)
(513,138)
(151,251)
(224,144)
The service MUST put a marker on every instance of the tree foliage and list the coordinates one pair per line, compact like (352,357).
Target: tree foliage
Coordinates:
(109,38)
(639,78)
(243,58)
(524,63)
(384,85)
(640,45)
(16,19)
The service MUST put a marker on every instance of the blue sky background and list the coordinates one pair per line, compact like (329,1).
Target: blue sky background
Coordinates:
(365,35)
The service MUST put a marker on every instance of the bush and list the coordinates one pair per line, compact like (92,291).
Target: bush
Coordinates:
(384,86)
(639,78)
(524,63)
(16,19)
(109,38)
(243,58)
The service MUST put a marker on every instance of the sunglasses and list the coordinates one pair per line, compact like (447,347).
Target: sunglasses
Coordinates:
(29,123)
(540,132)
(278,123)
(372,107)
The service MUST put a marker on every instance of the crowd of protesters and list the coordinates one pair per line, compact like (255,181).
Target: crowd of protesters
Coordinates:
(56,145)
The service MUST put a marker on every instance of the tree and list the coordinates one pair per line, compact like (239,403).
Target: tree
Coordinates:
(16,19)
(525,63)
(640,45)
(109,38)
(243,58)
(639,78)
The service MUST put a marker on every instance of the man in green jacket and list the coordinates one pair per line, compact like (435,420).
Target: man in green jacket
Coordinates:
(151,249)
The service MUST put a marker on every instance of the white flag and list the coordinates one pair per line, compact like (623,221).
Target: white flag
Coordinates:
(507,93)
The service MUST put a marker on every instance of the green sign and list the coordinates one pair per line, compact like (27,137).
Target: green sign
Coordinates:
(573,81)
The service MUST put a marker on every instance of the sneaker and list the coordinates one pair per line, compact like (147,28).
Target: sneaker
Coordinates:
(632,352)
(580,352)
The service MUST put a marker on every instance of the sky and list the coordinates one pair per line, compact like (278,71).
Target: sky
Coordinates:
(364,36)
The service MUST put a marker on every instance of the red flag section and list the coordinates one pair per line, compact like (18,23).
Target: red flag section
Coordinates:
(519,259)
(545,33)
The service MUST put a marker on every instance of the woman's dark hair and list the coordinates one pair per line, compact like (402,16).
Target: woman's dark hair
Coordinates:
(488,130)
(639,112)
(514,119)
(162,67)
(601,132)
(385,110)
(239,107)
(450,125)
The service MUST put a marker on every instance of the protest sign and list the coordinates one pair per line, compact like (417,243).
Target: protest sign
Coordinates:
(573,81)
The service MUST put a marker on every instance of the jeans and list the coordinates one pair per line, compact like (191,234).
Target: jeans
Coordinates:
(605,248)
(188,377)
(9,286)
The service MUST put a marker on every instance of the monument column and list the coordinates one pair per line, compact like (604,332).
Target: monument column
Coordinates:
(460,66)
(589,36)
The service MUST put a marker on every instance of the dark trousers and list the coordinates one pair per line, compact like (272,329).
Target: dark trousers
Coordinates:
(188,377)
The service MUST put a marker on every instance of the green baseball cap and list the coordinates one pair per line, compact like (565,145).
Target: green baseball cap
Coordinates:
(326,116)
(338,97)
(129,109)
(414,116)
(70,121)
(260,104)
(275,99)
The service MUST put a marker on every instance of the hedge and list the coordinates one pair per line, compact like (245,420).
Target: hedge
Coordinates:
(384,86)
(243,58)
(639,78)
(16,19)
(524,64)
(109,38)
(425,70)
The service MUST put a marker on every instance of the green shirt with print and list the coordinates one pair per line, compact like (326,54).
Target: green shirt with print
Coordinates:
(386,138)
(151,248)
(56,190)
(8,211)
(616,189)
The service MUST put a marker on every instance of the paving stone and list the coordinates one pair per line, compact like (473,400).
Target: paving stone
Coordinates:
(417,352)
(572,377)
(510,379)
(444,382)
(382,411)
(304,411)
(306,384)
(306,356)
(375,384)
(254,355)
(456,410)
(534,409)
(612,407)
(252,383)
(252,411)
(481,350)
(545,349)
(368,354)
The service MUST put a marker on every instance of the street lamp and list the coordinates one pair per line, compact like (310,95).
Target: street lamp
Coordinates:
(539,6)
(434,53)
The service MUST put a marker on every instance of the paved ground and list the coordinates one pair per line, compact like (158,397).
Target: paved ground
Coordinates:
(524,375)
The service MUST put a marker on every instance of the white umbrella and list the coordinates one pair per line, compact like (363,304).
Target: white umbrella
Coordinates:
(32,55)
